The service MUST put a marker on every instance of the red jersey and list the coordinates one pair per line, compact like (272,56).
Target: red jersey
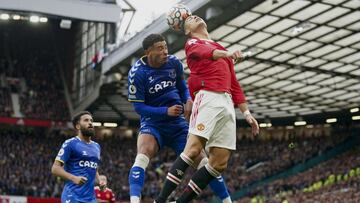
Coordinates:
(106,196)
(208,74)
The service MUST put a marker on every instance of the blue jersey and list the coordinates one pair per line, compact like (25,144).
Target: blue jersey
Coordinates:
(156,87)
(80,159)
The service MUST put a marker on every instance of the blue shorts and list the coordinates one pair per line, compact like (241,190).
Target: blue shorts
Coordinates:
(172,134)
(68,197)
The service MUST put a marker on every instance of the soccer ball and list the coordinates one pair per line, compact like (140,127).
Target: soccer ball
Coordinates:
(176,16)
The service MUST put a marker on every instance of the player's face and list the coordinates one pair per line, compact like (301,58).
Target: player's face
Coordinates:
(103,179)
(86,125)
(158,52)
(192,23)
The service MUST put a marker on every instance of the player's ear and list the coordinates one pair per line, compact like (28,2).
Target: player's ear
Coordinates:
(147,51)
(77,126)
(186,30)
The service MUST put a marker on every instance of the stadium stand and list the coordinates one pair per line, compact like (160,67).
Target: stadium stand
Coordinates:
(27,155)
(30,72)
(26,158)
(336,179)
(302,65)
(5,102)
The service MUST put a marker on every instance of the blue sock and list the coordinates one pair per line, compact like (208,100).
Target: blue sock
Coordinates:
(218,186)
(136,180)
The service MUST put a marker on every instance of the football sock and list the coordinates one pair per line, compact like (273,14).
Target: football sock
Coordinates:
(174,177)
(217,185)
(137,177)
(198,182)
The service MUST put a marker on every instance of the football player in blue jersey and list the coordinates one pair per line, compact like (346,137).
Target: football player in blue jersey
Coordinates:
(159,94)
(77,162)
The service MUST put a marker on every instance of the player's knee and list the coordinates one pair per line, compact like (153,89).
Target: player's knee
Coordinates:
(193,149)
(147,149)
(147,145)
(218,165)
(193,152)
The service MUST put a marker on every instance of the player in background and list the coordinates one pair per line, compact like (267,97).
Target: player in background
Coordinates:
(215,89)
(160,96)
(77,162)
(104,194)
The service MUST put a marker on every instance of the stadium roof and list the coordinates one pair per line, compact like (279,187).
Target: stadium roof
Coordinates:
(304,54)
(76,9)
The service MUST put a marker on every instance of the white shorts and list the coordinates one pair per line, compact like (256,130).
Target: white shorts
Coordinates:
(213,118)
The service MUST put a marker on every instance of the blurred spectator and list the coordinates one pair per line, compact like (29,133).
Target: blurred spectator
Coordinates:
(5,103)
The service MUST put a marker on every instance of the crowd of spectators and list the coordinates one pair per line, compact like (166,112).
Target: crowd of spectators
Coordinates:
(25,158)
(32,60)
(5,102)
(252,162)
(336,180)
(27,155)
(5,99)
(275,150)
(44,98)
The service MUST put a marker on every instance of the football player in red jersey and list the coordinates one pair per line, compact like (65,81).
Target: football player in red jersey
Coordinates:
(215,90)
(104,194)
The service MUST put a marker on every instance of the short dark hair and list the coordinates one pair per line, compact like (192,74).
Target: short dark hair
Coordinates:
(151,40)
(77,116)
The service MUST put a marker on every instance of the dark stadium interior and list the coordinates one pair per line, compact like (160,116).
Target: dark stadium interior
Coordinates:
(30,66)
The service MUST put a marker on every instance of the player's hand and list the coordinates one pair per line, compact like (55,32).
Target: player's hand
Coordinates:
(236,55)
(253,123)
(175,110)
(188,108)
(102,185)
(79,180)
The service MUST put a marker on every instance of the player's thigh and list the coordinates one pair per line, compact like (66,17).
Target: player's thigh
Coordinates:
(224,132)
(147,144)
(206,113)
(179,136)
